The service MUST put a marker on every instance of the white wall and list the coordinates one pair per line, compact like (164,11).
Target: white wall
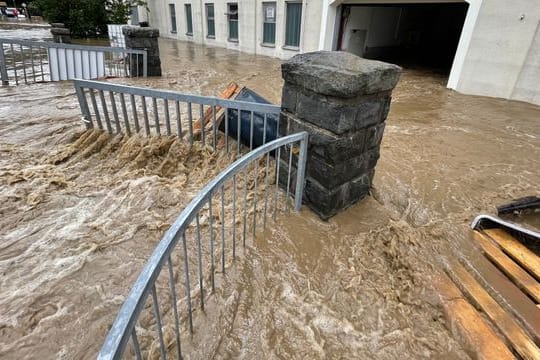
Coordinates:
(502,47)
(250,25)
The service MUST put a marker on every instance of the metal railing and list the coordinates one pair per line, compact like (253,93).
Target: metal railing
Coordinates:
(128,109)
(25,61)
(200,247)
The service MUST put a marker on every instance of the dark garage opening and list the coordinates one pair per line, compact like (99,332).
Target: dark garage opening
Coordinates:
(411,35)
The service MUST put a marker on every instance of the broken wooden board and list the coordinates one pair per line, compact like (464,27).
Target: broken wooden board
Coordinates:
(517,274)
(517,337)
(466,323)
(519,252)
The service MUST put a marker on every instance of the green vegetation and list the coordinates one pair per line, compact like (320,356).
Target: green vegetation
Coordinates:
(86,18)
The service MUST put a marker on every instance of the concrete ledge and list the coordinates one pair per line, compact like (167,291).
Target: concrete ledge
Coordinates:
(136,31)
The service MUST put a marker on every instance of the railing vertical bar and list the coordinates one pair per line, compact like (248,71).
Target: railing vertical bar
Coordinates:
(105,111)
(227,130)
(3,66)
(300,173)
(175,307)
(57,63)
(23,64)
(214,127)
(84,107)
(74,64)
(158,322)
(124,57)
(145,113)
(199,247)
(245,207)
(201,111)
(190,123)
(211,224)
(145,64)
(188,286)
(156,116)
(238,131)
(136,345)
(14,64)
(223,229)
(125,114)
(278,154)
(234,217)
(167,116)
(289,178)
(32,63)
(264,128)
(96,108)
(41,64)
(178,119)
(255,197)
(115,112)
(89,65)
(251,132)
(66,63)
(134,111)
(266,190)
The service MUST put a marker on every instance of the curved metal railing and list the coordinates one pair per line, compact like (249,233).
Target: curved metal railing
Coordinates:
(280,152)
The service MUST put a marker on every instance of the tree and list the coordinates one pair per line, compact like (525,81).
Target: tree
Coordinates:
(87,18)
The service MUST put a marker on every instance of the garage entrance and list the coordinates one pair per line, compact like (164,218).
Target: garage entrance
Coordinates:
(411,35)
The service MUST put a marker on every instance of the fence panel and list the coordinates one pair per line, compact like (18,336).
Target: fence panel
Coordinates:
(203,242)
(128,109)
(23,61)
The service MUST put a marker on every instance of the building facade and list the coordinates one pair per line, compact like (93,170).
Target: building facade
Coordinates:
(487,47)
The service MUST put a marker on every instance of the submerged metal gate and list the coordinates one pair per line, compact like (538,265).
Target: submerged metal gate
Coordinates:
(129,109)
(192,267)
(24,61)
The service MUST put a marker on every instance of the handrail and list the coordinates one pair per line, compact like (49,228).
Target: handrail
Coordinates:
(480,221)
(49,44)
(124,324)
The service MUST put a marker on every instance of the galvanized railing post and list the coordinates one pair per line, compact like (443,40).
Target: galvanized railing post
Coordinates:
(3,66)
(145,63)
(300,173)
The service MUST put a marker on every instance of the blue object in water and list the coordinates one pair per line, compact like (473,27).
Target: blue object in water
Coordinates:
(258,121)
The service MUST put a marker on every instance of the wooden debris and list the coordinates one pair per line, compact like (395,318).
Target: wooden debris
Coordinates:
(519,252)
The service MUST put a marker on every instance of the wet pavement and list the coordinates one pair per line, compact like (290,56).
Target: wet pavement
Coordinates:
(81,213)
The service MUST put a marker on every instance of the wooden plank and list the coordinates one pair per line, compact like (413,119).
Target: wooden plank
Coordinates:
(517,337)
(231,90)
(519,276)
(519,252)
(467,324)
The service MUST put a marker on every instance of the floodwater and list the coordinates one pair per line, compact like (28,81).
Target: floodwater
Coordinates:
(81,212)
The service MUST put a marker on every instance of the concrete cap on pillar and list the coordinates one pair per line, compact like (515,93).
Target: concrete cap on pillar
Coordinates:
(340,74)
(143,32)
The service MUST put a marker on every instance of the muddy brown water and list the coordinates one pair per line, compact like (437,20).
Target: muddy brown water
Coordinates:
(82,212)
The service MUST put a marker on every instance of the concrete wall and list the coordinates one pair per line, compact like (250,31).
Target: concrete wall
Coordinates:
(250,25)
(502,57)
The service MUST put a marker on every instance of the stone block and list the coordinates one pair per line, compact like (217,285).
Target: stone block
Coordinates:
(374,135)
(327,203)
(288,98)
(340,74)
(323,143)
(139,32)
(332,175)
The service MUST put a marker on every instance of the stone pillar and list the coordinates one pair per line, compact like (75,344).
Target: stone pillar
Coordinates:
(342,101)
(143,39)
(60,33)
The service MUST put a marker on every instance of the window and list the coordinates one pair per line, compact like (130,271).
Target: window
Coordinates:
(293,24)
(269,23)
(189,19)
(232,15)
(172,13)
(210,24)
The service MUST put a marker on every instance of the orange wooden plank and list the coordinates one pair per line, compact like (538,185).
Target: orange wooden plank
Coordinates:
(519,252)
(519,276)
(229,92)
(517,337)
(468,325)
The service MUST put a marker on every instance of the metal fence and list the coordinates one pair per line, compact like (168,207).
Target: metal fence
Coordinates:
(153,316)
(128,109)
(24,61)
